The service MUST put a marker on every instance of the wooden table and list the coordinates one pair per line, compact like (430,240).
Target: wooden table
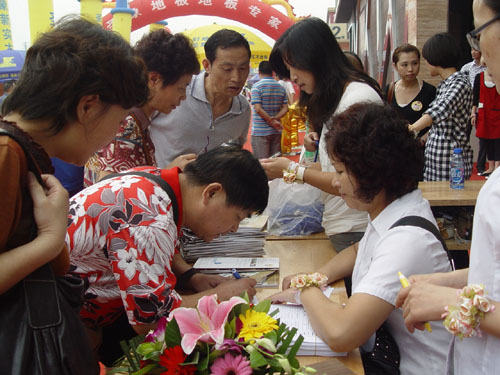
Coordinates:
(307,255)
(439,193)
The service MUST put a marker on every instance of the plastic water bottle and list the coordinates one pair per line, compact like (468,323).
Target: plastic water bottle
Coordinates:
(457,169)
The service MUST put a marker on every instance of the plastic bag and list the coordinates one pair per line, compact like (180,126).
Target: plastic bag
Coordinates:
(294,209)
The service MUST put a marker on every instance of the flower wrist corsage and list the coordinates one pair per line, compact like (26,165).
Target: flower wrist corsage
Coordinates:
(294,173)
(463,319)
(303,280)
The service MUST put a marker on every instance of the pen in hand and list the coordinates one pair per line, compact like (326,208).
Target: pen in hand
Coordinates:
(235,274)
(405,283)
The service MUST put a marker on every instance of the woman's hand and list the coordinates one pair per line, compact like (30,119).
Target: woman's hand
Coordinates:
(50,209)
(424,302)
(274,167)
(181,161)
(202,281)
(287,295)
(311,140)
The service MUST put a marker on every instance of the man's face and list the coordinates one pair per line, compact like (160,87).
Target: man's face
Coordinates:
(229,71)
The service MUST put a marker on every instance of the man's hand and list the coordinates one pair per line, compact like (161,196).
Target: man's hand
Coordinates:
(233,287)
(201,281)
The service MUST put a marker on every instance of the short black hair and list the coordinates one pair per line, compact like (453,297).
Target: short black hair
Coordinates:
(224,38)
(237,170)
(74,59)
(172,56)
(265,68)
(377,149)
(442,50)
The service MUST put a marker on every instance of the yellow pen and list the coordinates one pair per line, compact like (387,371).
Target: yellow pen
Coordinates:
(405,283)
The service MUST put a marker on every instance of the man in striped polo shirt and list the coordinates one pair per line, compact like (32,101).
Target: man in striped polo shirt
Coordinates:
(270,104)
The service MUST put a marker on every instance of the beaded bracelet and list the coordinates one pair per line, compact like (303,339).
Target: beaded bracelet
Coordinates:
(294,173)
(463,319)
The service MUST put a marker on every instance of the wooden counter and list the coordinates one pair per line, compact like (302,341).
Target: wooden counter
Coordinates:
(439,193)
(307,255)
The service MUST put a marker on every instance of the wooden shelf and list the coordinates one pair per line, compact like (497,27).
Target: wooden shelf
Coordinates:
(439,193)
(455,245)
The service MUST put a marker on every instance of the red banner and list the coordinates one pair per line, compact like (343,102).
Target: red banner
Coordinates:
(253,13)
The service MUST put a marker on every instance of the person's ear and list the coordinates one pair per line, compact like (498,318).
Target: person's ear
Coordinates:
(210,191)
(154,79)
(88,107)
(206,65)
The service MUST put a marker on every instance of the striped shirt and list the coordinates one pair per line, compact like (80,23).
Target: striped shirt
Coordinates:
(271,96)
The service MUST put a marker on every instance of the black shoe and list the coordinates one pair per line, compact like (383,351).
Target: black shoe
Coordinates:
(484,174)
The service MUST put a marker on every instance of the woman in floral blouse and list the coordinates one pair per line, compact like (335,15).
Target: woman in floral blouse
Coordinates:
(171,62)
(448,114)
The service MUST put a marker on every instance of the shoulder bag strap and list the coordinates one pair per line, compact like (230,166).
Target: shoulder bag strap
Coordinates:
(390,93)
(421,222)
(160,181)
(32,165)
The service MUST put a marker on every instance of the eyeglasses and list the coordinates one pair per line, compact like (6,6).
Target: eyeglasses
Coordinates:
(473,36)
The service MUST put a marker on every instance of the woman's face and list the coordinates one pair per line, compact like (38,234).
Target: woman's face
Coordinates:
(303,78)
(408,66)
(347,185)
(166,98)
(489,39)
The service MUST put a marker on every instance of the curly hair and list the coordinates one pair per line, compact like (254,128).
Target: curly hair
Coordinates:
(377,149)
(75,59)
(172,56)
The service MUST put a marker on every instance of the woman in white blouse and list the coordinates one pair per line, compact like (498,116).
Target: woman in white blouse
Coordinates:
(377,165)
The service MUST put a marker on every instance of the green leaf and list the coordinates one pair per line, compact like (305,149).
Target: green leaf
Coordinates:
(203,364)
(273,336)
(257,360)
(146,369)
(263,306)
(296,346)
(193,359)
(172,334)
(230,329)
(287,340)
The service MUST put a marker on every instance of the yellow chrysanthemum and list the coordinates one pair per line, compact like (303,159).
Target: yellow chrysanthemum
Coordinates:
(256,324)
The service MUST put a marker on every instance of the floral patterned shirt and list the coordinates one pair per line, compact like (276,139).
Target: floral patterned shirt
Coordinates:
(131,147)
(122,238)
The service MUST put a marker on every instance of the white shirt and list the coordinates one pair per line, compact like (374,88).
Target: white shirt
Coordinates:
(337,216)
(410,250)
(481,355)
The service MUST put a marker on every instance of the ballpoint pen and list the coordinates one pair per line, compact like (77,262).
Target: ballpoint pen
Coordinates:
(405,283)
(235,274)
(317,150)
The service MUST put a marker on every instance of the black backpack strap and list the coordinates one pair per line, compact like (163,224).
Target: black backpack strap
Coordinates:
(421,222)
(160,181)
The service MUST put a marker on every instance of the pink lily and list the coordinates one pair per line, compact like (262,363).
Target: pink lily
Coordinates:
(205,323)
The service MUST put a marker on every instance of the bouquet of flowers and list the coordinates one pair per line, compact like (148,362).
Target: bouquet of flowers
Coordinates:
(216,338)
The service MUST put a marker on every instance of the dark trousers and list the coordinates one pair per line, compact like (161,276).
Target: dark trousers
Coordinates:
(481,156)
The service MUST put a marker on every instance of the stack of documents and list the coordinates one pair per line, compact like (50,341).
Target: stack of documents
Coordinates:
(296,316)
(248,241)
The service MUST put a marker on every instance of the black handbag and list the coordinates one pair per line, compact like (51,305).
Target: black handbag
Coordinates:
(384,359)
(40,328)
